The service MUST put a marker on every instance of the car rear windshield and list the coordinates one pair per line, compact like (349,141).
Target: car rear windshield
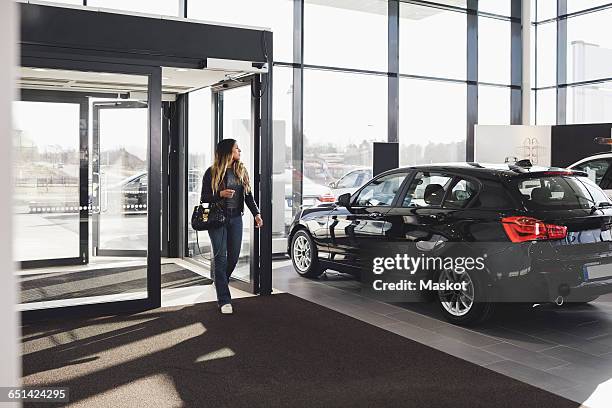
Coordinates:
(559,192)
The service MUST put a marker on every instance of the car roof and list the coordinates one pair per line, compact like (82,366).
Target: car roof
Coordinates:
(494,170)
(602,155)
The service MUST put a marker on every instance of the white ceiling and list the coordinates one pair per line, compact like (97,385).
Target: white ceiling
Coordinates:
(174,80)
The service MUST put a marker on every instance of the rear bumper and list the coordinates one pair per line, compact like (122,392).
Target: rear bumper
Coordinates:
(548,285)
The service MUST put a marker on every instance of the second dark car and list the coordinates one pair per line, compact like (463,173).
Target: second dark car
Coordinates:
(545,233)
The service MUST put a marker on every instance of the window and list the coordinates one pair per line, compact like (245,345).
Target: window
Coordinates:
(381,191)
(589,103)
(493,50)
(596,192)
(501,7)
(589,46)
(579,5)
(344,113)
(432,42)
(282,166)
(163,7)
(275,14)
(493,105)
(461,194)
(423,137)
(546,9)
(546,59)
(350,34)
(595,169)
(350,180)
(546,107)
(426,190)
(554,192)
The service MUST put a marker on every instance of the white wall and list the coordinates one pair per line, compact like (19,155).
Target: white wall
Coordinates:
(9,355)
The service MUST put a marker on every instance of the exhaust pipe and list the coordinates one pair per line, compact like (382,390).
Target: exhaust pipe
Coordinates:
(559,301)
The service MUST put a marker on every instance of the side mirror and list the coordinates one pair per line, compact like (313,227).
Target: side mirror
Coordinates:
(344,200)
(332,184)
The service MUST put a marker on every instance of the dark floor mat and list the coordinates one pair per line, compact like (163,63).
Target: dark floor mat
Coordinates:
(100,282)
(274,351)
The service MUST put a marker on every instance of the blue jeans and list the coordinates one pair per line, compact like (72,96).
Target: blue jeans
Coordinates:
(226,243)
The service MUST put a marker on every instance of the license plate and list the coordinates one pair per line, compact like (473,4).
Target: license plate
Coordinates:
(597,271)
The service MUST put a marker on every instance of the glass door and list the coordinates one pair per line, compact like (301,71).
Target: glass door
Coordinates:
(50,207)
(119,179)
(83,144)
(236,109)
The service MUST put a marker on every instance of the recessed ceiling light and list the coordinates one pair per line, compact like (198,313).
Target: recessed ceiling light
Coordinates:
(38,69)
(181,70)
(105,73)
(165,78)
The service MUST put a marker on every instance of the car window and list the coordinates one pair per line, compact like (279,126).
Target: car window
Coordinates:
(349,180)
(427,190)
(461,194)
(595,169)
(554,192)
(596,192)
(380,191)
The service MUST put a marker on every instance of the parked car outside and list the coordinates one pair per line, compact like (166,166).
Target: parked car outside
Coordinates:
(351,181)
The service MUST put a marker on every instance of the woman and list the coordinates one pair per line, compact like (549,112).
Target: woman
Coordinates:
(227,184)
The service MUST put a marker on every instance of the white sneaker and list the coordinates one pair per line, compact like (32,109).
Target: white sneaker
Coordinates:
(227,309)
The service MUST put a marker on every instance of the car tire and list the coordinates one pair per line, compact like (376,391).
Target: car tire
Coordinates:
(464,308)
(304,255)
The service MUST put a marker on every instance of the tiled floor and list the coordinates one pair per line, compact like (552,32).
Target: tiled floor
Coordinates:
(567,350)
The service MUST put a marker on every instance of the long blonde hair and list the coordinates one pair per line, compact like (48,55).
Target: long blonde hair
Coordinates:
(223,159)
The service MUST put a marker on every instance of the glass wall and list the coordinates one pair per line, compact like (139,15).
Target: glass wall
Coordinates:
(361,41)
(546,58)
(432,42)
(587,58)
(589,103)
(424,137)
(493,105)
(282,166)
(493,50)
(344,113)
(589,46)
(501,7)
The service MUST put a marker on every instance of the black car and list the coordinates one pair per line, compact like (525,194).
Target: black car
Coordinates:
(544,233)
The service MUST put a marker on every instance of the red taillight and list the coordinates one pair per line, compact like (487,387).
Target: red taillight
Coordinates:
(521,229)
(327,198)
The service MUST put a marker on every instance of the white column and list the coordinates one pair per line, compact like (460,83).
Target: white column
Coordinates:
(9,356)
(526,19)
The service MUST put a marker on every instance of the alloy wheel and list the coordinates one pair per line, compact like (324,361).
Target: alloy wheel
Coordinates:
(456,302)
(302,254)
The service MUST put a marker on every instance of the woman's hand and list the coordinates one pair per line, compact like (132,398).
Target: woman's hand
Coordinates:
(258,221)
(227,193)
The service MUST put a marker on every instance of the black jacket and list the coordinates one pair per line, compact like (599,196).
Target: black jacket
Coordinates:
(207,195)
